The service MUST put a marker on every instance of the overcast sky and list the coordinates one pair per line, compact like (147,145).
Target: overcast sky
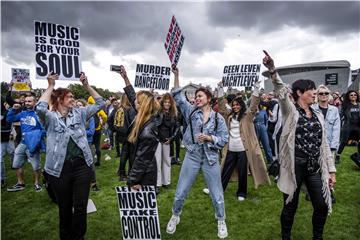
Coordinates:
(216,34)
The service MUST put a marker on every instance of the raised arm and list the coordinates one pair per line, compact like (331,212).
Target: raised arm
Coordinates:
(51,84)
(87,87)
(90,110)
(42,106)
(184,106)
(175,70)
(128,89)
(283,92)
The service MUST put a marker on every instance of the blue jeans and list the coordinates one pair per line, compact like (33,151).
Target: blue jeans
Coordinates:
(6,147)
(262,135)
(192,163)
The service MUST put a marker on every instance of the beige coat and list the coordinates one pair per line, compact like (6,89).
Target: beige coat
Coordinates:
(248,135)
(287,178)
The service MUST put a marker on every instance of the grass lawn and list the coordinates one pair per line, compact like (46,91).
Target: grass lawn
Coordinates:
(31,215)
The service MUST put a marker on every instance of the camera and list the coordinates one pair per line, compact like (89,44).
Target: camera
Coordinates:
(115,68)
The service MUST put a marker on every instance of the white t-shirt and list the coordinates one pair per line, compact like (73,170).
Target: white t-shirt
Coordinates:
(235,141)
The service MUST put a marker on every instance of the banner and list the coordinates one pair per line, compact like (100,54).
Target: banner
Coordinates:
(57,49)
(20,79)
(244,75)
(331,79)
(138,213)
(152,77)
(174,42)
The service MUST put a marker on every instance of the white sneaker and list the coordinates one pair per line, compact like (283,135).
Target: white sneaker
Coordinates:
(171,226)
(240,198)
(222,229)
(206,191)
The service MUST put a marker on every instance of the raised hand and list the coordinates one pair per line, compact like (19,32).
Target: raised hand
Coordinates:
(51,78)
(175,70)
(268,61)
(84,80)
(123,72)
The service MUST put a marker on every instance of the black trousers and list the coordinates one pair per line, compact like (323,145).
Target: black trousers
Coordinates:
(238,160)
(96,142)
(72,190)
(313,184)
(125,155)
(176,142)
(347,131)
(118,140)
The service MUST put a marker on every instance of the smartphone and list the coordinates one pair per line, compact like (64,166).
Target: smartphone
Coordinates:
(115,68)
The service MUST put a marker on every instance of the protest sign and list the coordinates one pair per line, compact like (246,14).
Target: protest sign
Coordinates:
(20,79)
(331,79)
(57,49)
(244,75)
(152,77)
(174,42)
(139,216)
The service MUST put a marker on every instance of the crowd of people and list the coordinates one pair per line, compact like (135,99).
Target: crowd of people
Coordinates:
(295,133)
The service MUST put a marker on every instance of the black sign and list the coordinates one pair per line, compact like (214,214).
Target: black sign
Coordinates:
(331,79)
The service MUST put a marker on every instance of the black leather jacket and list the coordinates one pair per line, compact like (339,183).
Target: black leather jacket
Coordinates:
(143,170)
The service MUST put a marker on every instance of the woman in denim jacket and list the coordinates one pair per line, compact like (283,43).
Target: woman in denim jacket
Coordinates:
(68,155)
(205,135)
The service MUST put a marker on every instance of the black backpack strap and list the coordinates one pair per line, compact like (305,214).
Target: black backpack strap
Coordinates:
(191,127)
(216,121)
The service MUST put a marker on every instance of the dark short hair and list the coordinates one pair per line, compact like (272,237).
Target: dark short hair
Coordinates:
(230,97)
(206,91)
(302,85)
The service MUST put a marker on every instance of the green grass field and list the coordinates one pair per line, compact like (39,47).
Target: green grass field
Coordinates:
(31,215)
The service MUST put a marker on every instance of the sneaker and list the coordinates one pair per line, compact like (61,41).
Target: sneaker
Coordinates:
(95,188)
(37,187)
(240,198)
(17,187)
(337,159)
(123,178)
(206,191)
(171,226)
(222,229)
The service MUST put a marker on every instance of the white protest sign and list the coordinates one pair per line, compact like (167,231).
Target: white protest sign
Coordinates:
(138,213)
(57,49)
(174,42)
(20,79)
(244,75)
(152,77)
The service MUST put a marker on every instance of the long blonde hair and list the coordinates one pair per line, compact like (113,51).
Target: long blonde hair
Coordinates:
(148,107)
(173,109)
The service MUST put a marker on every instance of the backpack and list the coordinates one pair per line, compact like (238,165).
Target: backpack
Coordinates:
(119,120)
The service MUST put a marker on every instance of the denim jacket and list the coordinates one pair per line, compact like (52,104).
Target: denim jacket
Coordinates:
(220,137)
(332,125)
(59,133)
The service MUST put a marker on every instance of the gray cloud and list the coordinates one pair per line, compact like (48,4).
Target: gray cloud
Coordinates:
(330,18)
(121,27)
(140,27)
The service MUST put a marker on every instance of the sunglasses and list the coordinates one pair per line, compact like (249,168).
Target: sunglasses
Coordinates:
(323,93)
(352,95)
